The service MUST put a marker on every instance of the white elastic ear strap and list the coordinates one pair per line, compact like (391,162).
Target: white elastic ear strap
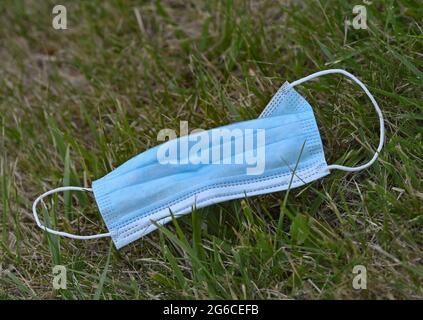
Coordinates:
(372,99)
(60,233)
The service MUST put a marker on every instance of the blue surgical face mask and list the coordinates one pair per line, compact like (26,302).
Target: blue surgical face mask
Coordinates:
(279,150)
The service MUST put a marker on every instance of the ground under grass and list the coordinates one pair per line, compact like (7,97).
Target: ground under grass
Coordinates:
(75,104)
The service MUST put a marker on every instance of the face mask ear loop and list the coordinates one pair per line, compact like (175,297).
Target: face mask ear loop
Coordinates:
(60,233)
(372,99)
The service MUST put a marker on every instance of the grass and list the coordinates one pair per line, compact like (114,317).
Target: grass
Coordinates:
(75,104)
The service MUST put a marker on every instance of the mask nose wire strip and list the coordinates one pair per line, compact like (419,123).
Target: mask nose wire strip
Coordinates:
(60,233)
(375,104)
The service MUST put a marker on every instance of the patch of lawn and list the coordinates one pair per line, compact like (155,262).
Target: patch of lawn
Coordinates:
(76,103)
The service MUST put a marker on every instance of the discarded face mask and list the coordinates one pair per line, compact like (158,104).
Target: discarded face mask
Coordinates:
(145,192)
